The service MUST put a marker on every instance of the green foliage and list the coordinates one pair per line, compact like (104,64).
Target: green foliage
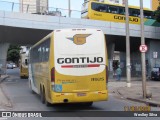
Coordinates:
(13,53)
(157,14)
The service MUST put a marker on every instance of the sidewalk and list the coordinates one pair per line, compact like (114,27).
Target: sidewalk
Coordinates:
(4,101)
(135,93)
(124,79)
(3,77)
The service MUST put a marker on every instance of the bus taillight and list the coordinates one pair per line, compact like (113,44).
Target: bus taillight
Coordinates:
(53,74)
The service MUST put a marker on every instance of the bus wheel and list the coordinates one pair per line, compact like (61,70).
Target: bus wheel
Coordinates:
(46,102)
(42,96)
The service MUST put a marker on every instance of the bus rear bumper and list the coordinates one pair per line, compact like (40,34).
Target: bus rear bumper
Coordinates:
(24,75)
(79,97)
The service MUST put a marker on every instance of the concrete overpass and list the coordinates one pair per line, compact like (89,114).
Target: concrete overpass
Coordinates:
(27,29)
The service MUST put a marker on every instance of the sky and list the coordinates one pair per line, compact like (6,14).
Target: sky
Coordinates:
(76,4)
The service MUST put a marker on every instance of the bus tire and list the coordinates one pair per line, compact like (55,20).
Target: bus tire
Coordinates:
(46,102)
(42,96)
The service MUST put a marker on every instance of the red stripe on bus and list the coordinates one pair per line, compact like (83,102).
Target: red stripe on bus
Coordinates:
(94,65)
(67,66)
(75,66)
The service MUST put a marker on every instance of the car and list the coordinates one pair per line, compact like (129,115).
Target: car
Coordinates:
(14,65)
(9,66)
(155,73)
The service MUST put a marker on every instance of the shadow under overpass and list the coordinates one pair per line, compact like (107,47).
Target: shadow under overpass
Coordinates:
(29,36)
(21,36)
(120,42)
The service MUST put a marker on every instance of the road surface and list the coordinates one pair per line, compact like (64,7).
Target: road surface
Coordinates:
(22,99)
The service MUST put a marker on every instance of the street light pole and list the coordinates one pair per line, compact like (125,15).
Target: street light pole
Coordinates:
(128,65)
(69,8)
(22,6)
(143,53)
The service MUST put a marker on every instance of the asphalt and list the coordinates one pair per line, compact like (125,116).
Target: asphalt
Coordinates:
(135,92)
(3,77)
(4,100)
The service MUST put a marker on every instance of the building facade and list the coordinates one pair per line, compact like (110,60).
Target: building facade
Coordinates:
(121,2)
(33,6)
(154,4)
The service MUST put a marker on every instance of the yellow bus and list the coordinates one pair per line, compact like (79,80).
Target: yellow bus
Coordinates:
(24,65)
(114,13)
(70,66)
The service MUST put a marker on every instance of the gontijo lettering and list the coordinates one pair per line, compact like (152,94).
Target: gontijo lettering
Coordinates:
(80,60)
(124,18)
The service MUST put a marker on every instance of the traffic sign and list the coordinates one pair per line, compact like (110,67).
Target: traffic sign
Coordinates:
(143,48)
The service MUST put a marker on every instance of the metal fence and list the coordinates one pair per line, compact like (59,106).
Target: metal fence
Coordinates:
(41,10)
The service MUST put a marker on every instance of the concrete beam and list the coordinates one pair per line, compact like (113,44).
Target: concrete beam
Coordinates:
(43,22)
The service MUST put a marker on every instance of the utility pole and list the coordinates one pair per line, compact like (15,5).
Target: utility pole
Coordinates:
(128,64)
(69,8)
(22,6)
(143,53)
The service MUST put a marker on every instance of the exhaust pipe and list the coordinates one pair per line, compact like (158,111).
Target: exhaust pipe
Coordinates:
(65,100)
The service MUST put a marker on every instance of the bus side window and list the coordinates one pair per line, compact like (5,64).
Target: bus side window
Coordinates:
(134,12)
(148,14)
(121,11)
(47,49)
(113,9)
(43,52)
(26,61)
(39,54)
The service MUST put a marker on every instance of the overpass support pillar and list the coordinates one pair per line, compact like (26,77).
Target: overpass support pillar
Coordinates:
(3,56)
(153,60)
(111,48)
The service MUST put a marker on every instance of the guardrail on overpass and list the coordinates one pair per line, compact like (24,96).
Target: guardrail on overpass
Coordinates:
(35,9)
(33,21)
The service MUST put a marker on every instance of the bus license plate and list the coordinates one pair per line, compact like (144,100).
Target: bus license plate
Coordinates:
(81,94)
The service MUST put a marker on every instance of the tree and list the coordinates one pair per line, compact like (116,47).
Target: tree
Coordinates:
(157,14)
(13,53)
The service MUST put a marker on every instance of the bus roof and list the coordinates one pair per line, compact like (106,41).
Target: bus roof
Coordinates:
(73,29)
(135,7)
(40,41)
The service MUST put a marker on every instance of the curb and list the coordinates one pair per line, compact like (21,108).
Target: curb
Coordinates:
(150,103)
(6,103)
(147,102)
(2,79)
